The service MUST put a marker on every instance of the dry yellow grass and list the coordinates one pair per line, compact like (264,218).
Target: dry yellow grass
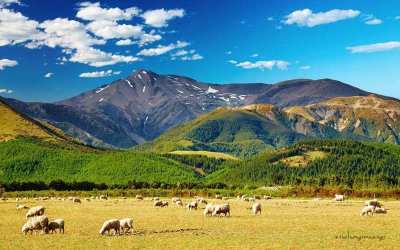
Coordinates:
(209,154)
(284,224)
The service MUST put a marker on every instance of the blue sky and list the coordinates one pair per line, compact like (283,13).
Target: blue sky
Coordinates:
(82,45)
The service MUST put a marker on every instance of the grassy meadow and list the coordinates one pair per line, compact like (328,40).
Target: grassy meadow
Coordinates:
(283,224)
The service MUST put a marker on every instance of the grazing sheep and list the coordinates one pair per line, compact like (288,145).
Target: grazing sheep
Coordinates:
(158,204)
(164,204)
(35,211)
(139,197)
(246,199)
(77,200)
(252,199)
(87,199)
(113,224)
(257,197)
(175,199)
(380,210)
(239,197)
(256,208)
(243,197)
(339,197)
(192,205)
(222,209)
(103,197)
(19,207)
(373,202)
(179,203)
(70,198)
(36,223)
(201,200)
(209,210)
(218,196)
(126,223)
(367,209)
(56,224)
(267,197)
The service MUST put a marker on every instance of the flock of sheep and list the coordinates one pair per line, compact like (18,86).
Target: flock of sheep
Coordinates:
(38,222)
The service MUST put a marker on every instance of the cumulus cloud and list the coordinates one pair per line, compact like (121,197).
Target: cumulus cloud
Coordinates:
(376,47)
(94,12)
(16,28)
(194,57)
(6,91)
(374,21)
(125,42)
(162,49)
(282,65)
(7,63)
(160,17)
(4,3)
(307,18)
(305,67)
(111,29)
(97,74)
(97,58)
(48,75)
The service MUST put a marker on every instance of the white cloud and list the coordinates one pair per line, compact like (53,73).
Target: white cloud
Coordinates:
(282,65)
(4,3)
(270,18)
(7,63)
(162,49)
(254,55)
(6,91)
(397,18)
(111,29)
(192,57)
(181,53)
(376,47)
(373,21)
(93,12)
(159,18)
(48,75)
(149,38)
(97,58)
(307,18)
(232,61)
(125,42)
(305,67)
(99,74)
(16,28)
(228,52)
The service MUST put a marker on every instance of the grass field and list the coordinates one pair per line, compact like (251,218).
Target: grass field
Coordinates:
(284,224)
(209,154)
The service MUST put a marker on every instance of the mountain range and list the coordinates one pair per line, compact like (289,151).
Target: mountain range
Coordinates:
(144,105)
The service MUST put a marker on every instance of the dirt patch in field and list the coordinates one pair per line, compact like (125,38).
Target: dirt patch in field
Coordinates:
(192,231)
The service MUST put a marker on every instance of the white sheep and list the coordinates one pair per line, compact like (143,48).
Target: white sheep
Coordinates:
(126,223)
(367,209)
(56,224)
(373,202)
(256,208)
(179,203)
(35,211)
(380,210)
(222,209)
(201,200)
(36,223)
(192,205)
(209,209)
(175,199)
(113,224)
(218,196)
(252,199)
(164,204)
(339,197)
(19,207)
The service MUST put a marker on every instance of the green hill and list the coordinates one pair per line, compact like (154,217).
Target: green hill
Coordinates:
(27,160)
(318,163)
(241,132)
